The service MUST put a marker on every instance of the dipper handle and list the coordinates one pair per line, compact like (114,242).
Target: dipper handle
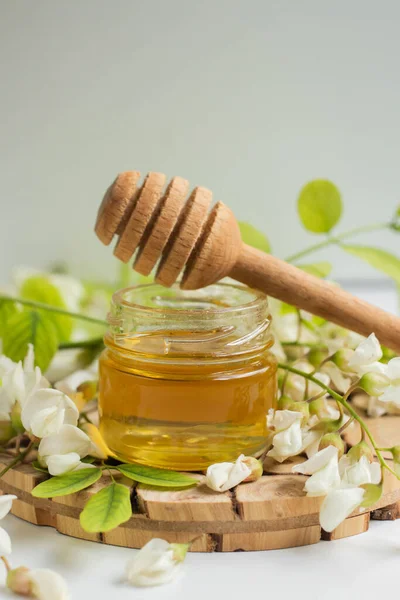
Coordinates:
(162,228)
(288,283)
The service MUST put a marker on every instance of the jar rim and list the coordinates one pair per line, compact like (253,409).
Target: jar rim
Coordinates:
(259,299)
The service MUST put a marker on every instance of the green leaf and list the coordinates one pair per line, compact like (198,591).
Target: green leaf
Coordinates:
(107,509)
(372,494)
(379,259)
(40,289)
(286,309)
(63,485)
(30,327)
(253,237)
(319,269)
(7,310)
(156,477)
(319,205)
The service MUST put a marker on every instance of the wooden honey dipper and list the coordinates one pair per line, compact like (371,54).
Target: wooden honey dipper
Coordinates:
(183,236)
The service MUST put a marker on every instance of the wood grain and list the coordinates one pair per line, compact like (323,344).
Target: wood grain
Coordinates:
(270,513)
(209,248)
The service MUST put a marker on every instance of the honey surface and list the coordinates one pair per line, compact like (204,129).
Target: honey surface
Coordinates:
(184,412)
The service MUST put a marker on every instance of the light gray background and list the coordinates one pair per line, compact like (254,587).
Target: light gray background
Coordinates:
(250,98)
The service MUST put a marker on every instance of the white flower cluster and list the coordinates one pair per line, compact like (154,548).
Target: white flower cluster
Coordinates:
(47,415)
(294,432)
(339,482)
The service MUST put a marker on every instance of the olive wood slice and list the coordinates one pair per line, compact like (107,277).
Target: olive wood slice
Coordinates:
(270,513)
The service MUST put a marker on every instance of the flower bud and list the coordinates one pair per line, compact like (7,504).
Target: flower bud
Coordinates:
(15,416)
(6,431)
(332,439)
(88,389)
(316,356)
(359,450)
(301,407)
(395,450)
(179,551)
(255,467)
(318,407)
(374,383)
(284,402)
(19,582)
(341,359)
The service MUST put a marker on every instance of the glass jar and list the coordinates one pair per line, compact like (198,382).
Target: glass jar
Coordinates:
(187,377)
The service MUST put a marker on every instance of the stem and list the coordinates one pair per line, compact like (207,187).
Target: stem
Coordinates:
(125,273)
(347,406)
(6,563)
(18,459)
(85,417)
(49,308)
(81,344)
(334,240)
(303,344)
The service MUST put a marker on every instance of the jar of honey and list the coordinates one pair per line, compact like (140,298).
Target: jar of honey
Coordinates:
(187,377)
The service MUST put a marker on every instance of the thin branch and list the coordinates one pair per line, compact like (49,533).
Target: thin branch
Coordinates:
(53,309)
(81,344)
(334,240)
(347,406)
(18,459)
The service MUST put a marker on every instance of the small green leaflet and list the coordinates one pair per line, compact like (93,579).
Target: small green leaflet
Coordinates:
(319,205)
(319,269)
(107,509)
(30,327)
(372,494)
(379,259)
(156,477)
(253,237)
(63,485)
(40,289)
(7,310)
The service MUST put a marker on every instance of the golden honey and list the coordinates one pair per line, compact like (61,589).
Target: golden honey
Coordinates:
(186,378)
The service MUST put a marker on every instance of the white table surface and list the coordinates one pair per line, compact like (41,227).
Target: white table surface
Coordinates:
(365,566)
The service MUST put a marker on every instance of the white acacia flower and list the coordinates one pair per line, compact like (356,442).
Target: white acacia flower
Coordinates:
(360,472)
(68,440)
(224,476)
(46,410)
(156,563)
(298,388)
(325,479)
(391,395)
(5,506)
(338,505)
(58,464)
(287,443)
(317,461)
(340,381)
(6,365)
(47,585)
(19,382)
(279,420)
(324,470)
(366,355)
